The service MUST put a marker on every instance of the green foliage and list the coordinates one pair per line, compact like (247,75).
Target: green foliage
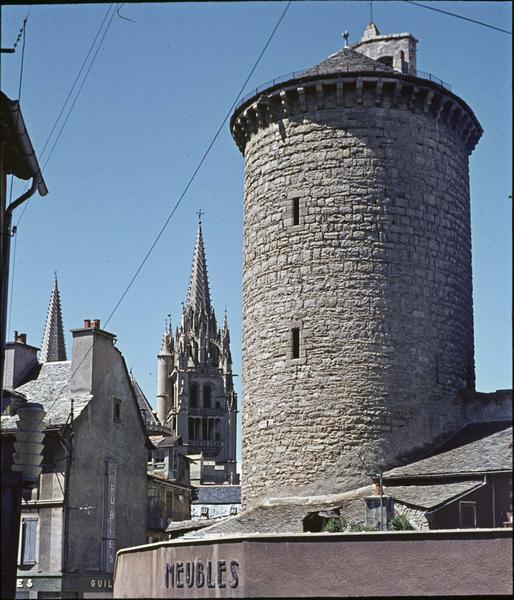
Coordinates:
(400,523)
(355,527)
(335,525)
(340,524)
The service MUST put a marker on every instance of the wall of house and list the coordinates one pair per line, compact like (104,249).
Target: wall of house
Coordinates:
(448,517)
(100,437)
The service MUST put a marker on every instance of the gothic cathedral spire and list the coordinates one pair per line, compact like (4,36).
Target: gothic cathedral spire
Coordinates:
(195,392)
(198,296)
(53,348)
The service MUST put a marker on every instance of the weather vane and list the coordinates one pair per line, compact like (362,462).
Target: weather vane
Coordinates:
(346,35)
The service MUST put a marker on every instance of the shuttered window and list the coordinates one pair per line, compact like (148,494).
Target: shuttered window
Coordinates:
(28,541)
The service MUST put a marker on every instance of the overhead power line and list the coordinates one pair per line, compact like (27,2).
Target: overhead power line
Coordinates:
(181,197)
(445,12)
(77,78)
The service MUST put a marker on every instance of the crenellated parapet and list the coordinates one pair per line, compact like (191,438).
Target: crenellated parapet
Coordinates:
(390,91)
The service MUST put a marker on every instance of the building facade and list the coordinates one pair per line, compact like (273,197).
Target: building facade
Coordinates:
(92,494)
(357,290)
(195,391)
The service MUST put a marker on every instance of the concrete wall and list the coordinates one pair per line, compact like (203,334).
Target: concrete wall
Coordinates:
(98,436)
(445,563)
(376,275)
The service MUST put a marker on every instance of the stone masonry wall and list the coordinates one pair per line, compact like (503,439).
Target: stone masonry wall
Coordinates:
(376,276)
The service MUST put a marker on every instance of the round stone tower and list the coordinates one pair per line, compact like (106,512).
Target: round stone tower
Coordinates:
(357,292)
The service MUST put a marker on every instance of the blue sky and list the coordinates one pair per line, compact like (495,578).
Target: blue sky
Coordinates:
(155,96)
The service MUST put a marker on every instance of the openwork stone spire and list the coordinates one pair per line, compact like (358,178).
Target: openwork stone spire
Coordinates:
(198,297)
(53,348)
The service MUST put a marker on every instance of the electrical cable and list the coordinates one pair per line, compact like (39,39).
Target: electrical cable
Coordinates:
(445,12)
(25,206)
(69,95)
(178,202)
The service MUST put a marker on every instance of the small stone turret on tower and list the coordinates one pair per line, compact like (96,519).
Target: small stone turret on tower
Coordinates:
(195,392)
(53,348)
(357,305)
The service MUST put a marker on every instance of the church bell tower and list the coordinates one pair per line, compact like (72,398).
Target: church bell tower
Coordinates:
(195,392)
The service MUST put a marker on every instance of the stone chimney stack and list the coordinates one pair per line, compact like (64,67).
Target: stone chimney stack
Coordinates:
(91,356)
(20,361)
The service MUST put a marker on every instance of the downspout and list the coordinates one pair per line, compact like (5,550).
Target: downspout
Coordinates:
(67,443)
(6,233)
(494,500)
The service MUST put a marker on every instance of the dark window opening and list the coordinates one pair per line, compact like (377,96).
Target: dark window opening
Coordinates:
(295,342)
(206,396)
(116,414)
(386,60)
(296,211)
(193,395)
(191,429)
(468,515)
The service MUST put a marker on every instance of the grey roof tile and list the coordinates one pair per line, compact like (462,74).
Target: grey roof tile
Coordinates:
(288,518)
(52,390)
(347,60)
(430,496)
(491,453)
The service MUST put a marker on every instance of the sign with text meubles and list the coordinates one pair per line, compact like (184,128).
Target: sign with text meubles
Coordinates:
(319,565)
(109,533)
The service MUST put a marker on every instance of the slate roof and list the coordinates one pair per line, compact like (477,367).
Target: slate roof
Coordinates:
(167,441)
(52,390)
(288,517)
(347,60)
(430,496)
(217,494)
(189,525)
(491,453)
(144,406)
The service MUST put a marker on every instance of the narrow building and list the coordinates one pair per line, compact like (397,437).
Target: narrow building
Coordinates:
(91,499)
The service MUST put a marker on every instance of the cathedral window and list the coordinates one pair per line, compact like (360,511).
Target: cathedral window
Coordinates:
(191,428)
(204,429)
(207,396)
(193,395)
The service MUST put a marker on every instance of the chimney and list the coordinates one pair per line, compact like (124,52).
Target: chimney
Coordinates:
(20,338)
(20,361)
(92,356)
(379,509)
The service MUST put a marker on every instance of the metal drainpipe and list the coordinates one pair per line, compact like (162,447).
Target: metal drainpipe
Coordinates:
(4,277)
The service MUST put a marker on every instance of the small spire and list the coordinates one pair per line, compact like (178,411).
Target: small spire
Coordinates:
(53,348)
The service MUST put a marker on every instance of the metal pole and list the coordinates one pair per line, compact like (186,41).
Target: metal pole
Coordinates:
(383,526)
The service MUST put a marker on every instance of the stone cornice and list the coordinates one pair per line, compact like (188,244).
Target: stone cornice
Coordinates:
(309,95)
